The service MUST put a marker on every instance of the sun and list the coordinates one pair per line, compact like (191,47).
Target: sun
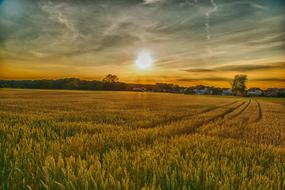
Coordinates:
(144,60)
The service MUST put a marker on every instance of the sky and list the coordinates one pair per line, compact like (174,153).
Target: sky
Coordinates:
(191,41)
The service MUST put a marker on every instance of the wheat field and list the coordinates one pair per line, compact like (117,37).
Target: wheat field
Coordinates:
(133,140)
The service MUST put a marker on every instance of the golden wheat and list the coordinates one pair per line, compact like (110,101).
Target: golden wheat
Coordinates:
(125,140)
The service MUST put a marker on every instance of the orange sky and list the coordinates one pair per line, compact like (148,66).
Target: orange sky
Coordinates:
(189,43)
(130,73)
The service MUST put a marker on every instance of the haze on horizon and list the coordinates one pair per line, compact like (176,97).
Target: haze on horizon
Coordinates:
(191,41)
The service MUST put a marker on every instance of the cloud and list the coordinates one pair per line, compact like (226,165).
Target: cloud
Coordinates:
(116,40)
(258,6)
(269,39)
(243,68)
(270,79)
(240,68)
(100,32)
(225,79)
(57,12)
(199,70)
(149,2)
(214,79)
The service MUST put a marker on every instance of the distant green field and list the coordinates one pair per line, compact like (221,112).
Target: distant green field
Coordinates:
(133,140)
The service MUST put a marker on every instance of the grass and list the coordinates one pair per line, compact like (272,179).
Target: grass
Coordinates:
(127,140)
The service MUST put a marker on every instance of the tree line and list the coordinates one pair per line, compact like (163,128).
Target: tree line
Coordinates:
(109,82)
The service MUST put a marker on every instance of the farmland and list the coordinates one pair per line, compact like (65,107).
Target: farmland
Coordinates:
(133,140)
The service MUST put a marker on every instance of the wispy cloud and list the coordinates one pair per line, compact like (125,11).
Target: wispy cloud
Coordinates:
(240,68)
(216,79)
(200,37)
(149,2)
(225,79)
(58,13)
(270,79)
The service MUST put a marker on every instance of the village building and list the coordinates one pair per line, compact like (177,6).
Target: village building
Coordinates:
(254,92)
(227,92)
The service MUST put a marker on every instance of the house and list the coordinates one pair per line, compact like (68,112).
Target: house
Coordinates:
(227,92)
(254,92)
(139,89)
(274,92)
(201,91)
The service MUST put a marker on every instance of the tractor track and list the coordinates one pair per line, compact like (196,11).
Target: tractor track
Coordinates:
(220,116)
(245,120)
(176,119)
(242,110)
(260,115)
(193,128)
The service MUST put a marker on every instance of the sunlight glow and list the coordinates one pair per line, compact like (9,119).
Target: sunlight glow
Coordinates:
(144,60)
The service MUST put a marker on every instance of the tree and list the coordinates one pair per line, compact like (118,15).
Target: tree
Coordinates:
(110,82)
(238,84)
(111,78)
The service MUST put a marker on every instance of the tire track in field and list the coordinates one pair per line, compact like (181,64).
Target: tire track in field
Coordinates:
(240,134)
(150,135)
(194,127)
(176,119)
(259,117)
(242,110)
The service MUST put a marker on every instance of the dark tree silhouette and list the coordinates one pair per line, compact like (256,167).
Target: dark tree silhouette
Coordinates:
(239,84)
(111,78)
(110,82)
